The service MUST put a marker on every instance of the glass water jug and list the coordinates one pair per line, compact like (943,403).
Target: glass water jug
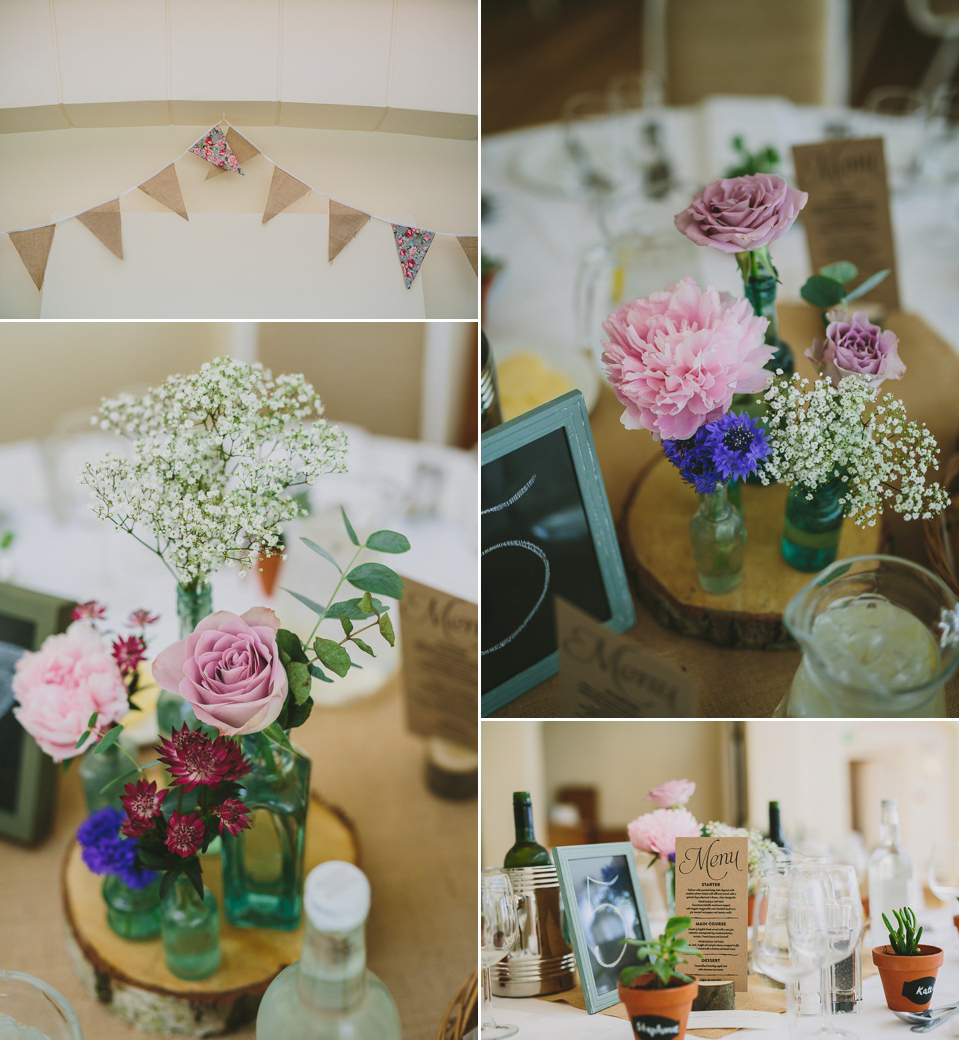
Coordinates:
(880,638)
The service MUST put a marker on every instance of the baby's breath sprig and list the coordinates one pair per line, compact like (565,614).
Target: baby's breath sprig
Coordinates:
(214,455)
(881,456)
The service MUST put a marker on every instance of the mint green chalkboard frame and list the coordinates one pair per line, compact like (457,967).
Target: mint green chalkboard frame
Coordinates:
(30,820)
(567,413)
(563,855)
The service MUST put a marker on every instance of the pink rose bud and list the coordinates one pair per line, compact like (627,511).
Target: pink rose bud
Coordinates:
(673,793)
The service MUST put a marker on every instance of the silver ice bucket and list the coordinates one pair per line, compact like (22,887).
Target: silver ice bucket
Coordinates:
(541,960)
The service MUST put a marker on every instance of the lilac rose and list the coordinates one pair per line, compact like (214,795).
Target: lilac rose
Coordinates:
(854,346)
(229,669)
(741,213)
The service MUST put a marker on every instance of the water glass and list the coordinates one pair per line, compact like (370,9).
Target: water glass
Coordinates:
(498,931)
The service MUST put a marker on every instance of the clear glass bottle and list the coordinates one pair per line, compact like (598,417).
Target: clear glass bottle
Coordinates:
(890,873)
(718,537)
(527,852)
(191,931)
(99,769)
(329,994)
(263,865)
(133,913)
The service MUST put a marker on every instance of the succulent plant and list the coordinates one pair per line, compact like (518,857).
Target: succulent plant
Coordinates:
(904,940)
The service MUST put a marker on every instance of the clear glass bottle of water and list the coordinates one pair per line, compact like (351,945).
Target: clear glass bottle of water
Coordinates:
(890,874)
(329,994)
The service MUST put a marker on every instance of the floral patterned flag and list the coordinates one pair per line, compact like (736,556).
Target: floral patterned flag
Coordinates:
(241,148)
(411,246)
(214,147)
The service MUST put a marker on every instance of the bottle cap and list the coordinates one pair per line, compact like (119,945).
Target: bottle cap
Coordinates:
(520,797)
(336,896)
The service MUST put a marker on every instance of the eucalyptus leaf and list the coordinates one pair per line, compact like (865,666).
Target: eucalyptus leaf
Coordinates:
(375,577)
(83,736)
(307,602)
(388,541)
(290,643)
(332,655)
(121,779)
(274,732)
(842,271)
(870,283)
(108,740)
(349,528)
(346,623)
(822,292)
(300,681)
(386,629)
(319,549)
(92,721)
(355,609)
(297,714)
(317,672)
(365,647)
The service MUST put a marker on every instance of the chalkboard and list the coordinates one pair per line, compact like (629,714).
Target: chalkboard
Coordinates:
(604,904)
(28,777)
(546,531)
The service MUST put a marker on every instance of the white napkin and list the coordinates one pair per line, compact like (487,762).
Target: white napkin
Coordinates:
(733,1020)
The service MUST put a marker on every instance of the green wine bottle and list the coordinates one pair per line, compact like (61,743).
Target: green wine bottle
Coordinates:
(527,852)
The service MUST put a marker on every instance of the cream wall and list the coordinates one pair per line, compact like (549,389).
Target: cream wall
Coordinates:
(431,182)
(512,759)
(48,369)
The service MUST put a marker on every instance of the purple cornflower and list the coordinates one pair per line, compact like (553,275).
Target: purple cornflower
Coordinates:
(106,852)
(694,462)
(737,444)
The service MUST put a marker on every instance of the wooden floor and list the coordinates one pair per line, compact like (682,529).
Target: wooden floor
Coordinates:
(536,53)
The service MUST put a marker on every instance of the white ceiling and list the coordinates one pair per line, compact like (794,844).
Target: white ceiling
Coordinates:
(402,66)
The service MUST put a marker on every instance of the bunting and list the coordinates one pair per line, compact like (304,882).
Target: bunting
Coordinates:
(468,242)
(241,148)
(345,225)
(213,147)
(165,188)
(284,191)
(104,222)
(224,152)
(411,246)
(34,248)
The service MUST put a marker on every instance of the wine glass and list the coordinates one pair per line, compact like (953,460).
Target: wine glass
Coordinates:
(944,871)
(793,942)
(498,931)
(844,920)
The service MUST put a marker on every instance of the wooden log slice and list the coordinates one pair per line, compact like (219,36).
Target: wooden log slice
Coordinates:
(654,536)
(132,978)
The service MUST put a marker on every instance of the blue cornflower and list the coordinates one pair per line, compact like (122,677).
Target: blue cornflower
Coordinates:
(694,461)
(106,851)
(737,445)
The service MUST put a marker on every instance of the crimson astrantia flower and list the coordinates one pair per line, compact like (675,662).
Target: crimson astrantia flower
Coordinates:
(142,803)
(234,816)
(128,653)
(184,834)
(90,611)
(194,760)
(142,618)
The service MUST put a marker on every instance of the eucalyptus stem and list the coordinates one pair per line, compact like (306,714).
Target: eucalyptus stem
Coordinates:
(309,638)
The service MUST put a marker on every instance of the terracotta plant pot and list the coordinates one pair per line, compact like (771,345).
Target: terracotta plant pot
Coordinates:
(955,921)
(750,906)
(907,982)
(268,570)
(658,1014)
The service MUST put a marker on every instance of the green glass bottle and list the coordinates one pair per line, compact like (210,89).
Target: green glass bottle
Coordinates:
(527,852)
(190,927)
(133,913)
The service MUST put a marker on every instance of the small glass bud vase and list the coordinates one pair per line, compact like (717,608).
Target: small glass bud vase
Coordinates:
(97,771)
(193,604)
(812,526)
(133,913)
(718,537)
(191,931)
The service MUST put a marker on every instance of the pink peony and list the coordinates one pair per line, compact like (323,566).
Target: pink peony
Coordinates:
(60,686)
(656,832)
(229,670)
(676,357)
(854,346)
(741,213)
(672,794)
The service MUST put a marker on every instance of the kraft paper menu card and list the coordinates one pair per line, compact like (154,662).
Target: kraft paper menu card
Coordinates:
(712,888)
(847,215)
(440,638)
(606,675)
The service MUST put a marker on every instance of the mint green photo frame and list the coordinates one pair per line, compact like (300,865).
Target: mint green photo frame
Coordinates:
(572,500)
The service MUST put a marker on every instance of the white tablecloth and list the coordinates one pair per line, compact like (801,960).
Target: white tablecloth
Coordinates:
(540,236)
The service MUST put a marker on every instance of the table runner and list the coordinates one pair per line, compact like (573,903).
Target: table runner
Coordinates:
(419,852)
(750,683)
